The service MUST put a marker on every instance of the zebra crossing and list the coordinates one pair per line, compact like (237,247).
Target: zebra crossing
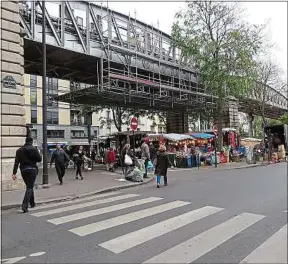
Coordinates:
(273,250)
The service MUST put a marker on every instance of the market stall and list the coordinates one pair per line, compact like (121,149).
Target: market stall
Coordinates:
(178,147)
(204,149)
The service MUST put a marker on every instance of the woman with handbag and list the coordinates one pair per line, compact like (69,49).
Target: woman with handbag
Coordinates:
(127,158)
(161,166)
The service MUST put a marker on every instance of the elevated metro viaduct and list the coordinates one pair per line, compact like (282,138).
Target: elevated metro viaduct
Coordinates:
(125,61)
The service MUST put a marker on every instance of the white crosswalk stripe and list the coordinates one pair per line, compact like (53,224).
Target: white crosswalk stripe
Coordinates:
(82,215)
(80,206)
(122,243)
(206,241)
(124,219)
(273,250)
(41,207)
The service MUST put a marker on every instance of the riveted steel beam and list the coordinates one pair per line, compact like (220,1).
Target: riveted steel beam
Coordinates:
(55,34)
(76,26)
(98,29)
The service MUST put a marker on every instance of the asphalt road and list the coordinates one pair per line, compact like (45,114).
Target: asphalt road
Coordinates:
(201,217)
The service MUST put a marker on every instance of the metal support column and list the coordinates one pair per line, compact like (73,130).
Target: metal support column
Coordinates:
(44,99)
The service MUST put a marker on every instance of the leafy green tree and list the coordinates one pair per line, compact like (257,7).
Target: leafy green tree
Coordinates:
(284,119)
(205,117)
(268,74)
(217,42)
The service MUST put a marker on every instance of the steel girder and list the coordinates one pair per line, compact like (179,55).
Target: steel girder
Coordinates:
(107,34)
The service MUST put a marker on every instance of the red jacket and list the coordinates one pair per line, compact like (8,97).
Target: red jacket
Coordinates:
(111,157)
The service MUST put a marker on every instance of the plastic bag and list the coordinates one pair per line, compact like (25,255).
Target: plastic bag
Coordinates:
(134,175)
(128,161)
(137,175)
(149,165)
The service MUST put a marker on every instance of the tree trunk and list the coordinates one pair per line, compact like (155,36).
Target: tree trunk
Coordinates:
(116,120)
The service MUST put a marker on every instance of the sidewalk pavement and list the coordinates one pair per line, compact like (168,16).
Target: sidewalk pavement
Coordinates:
(95,182)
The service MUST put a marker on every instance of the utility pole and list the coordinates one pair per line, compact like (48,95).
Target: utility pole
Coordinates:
(44,98)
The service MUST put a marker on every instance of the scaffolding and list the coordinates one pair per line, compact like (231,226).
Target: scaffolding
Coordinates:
(141,66)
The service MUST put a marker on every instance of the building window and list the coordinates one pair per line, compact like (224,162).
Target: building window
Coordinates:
(33,96)
(161,129)
(55,133)
(52,91)
(78,134)
(33,133)
(33,116)
(33,89)
(52,117)
(33,81)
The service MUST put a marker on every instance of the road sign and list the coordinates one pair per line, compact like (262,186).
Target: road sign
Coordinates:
(134,123)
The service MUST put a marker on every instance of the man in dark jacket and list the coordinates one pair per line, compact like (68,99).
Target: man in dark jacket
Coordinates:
(60,158)
(27,156)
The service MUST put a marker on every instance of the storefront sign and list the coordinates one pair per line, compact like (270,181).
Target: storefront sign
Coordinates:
(9,82)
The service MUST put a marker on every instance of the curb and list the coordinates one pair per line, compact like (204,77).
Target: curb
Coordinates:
(77,196)
(223,168)
(248,166)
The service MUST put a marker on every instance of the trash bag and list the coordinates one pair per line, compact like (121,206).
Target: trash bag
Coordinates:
(135,175)
(140,164)
(129,175)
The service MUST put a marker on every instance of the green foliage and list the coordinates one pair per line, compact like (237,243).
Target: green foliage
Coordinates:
(206,117)
(284,119)
(214,40)
(257,127)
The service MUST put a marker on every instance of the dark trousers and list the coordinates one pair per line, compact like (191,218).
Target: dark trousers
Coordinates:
(29,177)
(60,169)
(79,169)
(146,165)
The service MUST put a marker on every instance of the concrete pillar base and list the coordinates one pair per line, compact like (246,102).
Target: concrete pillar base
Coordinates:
(8,184)
(11,185)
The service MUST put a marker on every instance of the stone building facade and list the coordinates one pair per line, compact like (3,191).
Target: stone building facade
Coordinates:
(13,130)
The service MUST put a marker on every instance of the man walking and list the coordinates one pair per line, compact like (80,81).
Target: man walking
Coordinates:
(145,155)
(27,156)
(60,158)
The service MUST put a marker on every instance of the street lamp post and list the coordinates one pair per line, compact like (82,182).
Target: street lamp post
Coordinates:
(44,98)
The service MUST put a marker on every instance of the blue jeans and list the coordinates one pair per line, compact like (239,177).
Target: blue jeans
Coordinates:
(159,179)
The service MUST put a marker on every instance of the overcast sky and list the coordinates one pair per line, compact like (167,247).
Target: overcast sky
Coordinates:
(257,13)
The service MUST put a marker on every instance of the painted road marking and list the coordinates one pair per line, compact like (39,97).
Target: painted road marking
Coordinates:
(17,259)
(273,250)
(12,260)
(201,244)
(82,205)
(73,201)
(122,243)
(127,218)
(37,254)
(82,215)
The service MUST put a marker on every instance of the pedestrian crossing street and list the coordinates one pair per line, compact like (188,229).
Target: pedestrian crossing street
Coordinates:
(273,250)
